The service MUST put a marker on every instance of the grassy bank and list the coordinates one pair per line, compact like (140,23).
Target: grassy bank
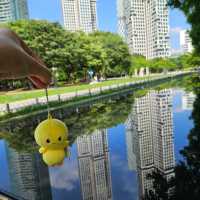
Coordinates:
(183,82)
(56,104)
(23,95)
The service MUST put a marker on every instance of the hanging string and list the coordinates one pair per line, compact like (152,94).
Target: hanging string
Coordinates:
(47,98)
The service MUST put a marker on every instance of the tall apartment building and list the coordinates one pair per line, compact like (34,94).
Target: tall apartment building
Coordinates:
(130,148)
(11,10)
(185,42)
(146,27)
(80,15)
(152,136)
(94,166)
(29,177)
(188,99)
(121,19)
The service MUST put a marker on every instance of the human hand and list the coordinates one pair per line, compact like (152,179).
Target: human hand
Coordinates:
(17,61)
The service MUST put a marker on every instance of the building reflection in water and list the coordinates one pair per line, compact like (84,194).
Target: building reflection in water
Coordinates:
(149,141)
(29,177)
(149,134)
(188,99)
(94,166)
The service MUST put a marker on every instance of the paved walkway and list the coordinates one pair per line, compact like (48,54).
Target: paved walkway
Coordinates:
(15,106)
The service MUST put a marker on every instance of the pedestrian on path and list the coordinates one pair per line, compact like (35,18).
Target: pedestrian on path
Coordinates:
(17,61)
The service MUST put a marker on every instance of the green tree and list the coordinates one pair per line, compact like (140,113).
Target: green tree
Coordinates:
(92,56)
(71,55)
(161,64)
(137,62)
(185,60)
(118,57)
(194,60)
(155,65)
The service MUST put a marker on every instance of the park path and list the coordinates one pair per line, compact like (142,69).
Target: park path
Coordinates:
(18,105)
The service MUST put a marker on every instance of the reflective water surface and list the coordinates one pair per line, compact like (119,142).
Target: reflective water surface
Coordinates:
(115,144)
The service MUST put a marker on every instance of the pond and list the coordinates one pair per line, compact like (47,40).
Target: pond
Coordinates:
(114,145)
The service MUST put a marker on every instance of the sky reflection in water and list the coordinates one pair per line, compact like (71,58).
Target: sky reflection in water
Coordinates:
(100,164)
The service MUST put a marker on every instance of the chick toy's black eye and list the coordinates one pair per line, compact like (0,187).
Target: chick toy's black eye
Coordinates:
(59,138)
(48,140)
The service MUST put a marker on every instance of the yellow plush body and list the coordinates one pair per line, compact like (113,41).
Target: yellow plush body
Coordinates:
(54,157)
(51,135)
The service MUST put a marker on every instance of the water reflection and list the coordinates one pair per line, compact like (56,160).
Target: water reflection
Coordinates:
(94,166)
(29,177)
(185,184)
(149,133)
(92,173)
(188,100)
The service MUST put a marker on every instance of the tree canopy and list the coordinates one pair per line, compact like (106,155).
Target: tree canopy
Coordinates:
(73,54)
(162,64)
(118,57)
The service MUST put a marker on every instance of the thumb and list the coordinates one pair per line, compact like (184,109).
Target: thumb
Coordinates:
(39,74)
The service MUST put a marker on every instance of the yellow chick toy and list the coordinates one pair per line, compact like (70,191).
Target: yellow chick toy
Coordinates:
(51,134)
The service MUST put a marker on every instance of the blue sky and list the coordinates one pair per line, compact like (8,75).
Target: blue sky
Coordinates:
(107,19)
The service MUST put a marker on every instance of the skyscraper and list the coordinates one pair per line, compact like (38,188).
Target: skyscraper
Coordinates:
(121,19)
(21,9)
(152,136)
(146,27)
(29,177)
(80,15)
(185,42)
(94,166)
(130,148)
(11,10)
(188,99)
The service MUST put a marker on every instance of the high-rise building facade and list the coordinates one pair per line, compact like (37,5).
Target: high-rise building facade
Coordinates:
(21,9)
(11,10)
(29,176)
(94,166)
(188,99)
(146,27)
(185,42)
(131,138)
(121,19)
(80,15)
(152,136)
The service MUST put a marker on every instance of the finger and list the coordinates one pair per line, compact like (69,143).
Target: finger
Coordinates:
(37,83)
(18,61)
(29,51)
(5,75)
(39,74)
(22,44)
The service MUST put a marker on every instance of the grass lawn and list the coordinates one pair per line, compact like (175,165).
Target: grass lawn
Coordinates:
(53,105)
(22,95)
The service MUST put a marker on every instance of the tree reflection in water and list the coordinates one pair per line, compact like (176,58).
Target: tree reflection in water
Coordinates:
(80,122)
(101,115)
(107,114)
(186,183)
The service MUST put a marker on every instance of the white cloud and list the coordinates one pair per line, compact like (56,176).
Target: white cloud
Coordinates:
(128,185)
(66,176)
(177,51)
(175,30)
(118,162)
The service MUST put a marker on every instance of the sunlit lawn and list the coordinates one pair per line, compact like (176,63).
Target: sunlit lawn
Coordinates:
(22,95)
